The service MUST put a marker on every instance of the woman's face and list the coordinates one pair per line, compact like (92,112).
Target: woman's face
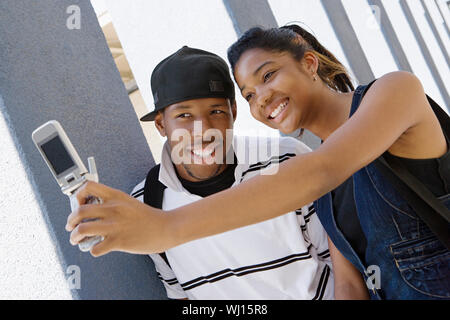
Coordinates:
(277,87)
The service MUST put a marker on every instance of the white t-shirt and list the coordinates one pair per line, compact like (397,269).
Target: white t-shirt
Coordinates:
(282,258)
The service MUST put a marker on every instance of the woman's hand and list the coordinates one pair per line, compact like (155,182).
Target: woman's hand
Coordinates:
(348,281)
(126,224)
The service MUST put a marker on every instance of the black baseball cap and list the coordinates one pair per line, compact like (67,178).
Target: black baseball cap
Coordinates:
(189,74)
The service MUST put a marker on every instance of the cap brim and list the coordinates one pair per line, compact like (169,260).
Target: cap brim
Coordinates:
(149,116)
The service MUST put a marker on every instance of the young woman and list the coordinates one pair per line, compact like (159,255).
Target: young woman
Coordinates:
(292,82)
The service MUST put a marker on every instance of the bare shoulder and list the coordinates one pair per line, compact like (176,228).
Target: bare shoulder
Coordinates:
(400,86)
(399,80)
(400,76)
(394,116)
(401,95)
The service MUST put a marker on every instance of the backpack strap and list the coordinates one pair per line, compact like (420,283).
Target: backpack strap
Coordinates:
(153,195)
(153,188)
(432,211)
(442,116)
(358,96)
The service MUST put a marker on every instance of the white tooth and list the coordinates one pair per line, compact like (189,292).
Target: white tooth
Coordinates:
(274,113)
(277,111)
(202,153)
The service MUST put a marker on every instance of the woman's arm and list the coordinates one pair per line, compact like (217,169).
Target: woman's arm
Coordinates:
(348,282)
(394,104)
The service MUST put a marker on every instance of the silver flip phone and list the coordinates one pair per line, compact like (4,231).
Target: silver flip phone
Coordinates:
(66,166)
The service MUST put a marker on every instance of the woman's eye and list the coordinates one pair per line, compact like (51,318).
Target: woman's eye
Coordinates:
(248,97)
(268,75)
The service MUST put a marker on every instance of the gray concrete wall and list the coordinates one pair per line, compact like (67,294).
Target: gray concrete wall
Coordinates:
(246,14)
(48,71)
(346,34)
(391,37)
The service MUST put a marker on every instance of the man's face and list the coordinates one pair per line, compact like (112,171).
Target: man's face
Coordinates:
(197,134)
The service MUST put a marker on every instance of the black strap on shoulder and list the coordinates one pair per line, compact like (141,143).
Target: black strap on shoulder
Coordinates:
(442,116)
(153,194)
(421,199)
(154,189)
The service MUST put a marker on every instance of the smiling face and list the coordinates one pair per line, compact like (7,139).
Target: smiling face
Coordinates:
(197,135)
(278,88)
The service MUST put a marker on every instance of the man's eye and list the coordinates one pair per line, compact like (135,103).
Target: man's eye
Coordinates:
(217,112)
(268,75)
(248,97)
(183,115)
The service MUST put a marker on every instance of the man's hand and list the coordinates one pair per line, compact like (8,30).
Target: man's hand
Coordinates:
(126,224)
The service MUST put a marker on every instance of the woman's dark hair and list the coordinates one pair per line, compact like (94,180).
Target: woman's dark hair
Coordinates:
(330,69)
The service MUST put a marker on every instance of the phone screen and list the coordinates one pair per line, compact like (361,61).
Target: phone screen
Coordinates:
(57,155)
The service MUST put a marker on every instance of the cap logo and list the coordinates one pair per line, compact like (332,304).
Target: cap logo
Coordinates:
(155,97)
(216,86)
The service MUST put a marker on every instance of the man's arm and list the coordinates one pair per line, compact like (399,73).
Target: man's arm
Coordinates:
(348,282)
(168,278)
(163,269)
(314,232)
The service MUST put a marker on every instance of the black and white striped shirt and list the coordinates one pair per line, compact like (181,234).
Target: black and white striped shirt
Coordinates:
(282,258)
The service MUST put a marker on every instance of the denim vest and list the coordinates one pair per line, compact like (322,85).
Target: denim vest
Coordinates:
(413,263)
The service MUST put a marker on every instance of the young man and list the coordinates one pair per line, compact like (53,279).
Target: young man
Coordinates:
(283,258)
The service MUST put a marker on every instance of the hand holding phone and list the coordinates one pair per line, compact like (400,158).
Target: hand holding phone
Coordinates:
(66,166)
(89,242)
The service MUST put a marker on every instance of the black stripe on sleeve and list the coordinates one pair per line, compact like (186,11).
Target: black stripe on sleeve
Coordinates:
(271,159)
(311,211)
(137,193)
(265,164)
(324,254)
(322,283)
(168,281)
(324,287)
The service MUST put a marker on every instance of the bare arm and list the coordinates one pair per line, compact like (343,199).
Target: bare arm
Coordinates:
(394,104)
(348,282)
